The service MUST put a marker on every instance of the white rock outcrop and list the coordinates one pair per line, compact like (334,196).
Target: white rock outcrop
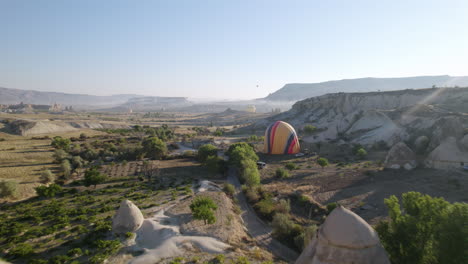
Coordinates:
(344,238)
(400,156)
(447,155)
(127,219)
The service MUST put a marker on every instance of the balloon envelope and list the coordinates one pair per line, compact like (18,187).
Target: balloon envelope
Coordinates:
(281,138)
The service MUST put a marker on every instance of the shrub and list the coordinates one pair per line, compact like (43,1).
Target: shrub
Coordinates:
(77,162)
(202,208)
(229,189)
(361,153)
(303,239)
(291,166)
(281,173)
(66,168)
(75,252)
(252,195)
(426,230)
(47,176)
(323,162)
(283,207)
(285,230)
(83,136)
(205,151)
(93,177)
(8,189)
(309,129)
(48,191)
(238,152)
(331,207)
(154,148)
(266,207)
(61,143)
(60,155)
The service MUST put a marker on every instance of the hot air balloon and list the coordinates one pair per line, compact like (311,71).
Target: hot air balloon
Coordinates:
(281,138)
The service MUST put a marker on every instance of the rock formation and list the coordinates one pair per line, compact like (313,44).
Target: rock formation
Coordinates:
(344,238)
(447,155)
(400,156)
(127,219)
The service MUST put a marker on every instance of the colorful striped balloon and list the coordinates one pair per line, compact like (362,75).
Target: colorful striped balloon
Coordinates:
(281,138)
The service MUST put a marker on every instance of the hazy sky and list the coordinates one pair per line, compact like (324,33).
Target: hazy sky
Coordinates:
(224,49)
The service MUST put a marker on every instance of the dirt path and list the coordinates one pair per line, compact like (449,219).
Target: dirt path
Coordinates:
(256,227)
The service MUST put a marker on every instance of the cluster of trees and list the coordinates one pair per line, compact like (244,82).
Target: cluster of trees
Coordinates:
(243,157)
(425,230)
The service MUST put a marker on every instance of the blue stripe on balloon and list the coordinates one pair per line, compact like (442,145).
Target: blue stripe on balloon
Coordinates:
(269,137)
(290,140)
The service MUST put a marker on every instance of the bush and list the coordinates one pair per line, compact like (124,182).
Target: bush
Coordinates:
(266,207)
(83,136)
(252,195)
(285,230)
(238,152)
(291,166)
(66,168)
(47,176)
(281,173)
(202,208)
(8,189)
(229,189)
(425,230)
(77,162)
(361,153)
(93,177)
(309,129)
(323,162)
(60,155)
(283,207)
(61,143)
(48,191)
(205,151)
(303,239)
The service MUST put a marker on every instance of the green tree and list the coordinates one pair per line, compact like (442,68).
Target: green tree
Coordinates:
(77,162)
(323,162)
(240,152)
(66,168)
(61,143)
(426,230)
(59,155)
(8,189)
(48,191)
(361,153)
(309,129)
(203,208)
(47,176)
(93,177)
(205,151)
(154,148)
(249,172)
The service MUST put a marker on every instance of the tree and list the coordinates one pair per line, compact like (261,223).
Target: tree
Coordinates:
(425,230)
(47,176)
(249,172)
(241,151)
(8,189)
(83,136)
(323,162)
(77,162)
(154,148)
(205,151)
(203,208)
(361,153)
(93,177)
(309,129)
(61,143)
(66,168)
(60,154)
(48,191)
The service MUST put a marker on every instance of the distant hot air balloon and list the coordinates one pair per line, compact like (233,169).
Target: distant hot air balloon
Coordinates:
(281,138)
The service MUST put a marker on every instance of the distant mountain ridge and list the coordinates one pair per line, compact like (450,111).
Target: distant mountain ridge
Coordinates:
(15,96)
(300,91)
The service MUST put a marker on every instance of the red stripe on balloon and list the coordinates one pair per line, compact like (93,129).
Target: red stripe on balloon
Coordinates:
(273,132)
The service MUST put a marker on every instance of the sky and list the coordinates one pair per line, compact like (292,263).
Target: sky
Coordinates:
(238,49)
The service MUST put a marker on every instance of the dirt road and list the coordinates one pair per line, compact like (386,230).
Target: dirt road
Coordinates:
(256,227)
